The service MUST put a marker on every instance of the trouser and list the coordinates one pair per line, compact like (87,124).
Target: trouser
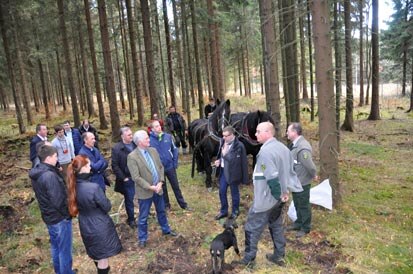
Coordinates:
(129,194)
(61,246)
(303,208)
(223,186)
(144,207)
(173,180)
(256,222)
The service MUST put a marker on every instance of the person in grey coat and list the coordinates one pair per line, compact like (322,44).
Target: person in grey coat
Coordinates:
(273,177)
(96,226)
(306,172)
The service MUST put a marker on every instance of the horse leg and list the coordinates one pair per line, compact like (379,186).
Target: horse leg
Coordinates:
(208,171)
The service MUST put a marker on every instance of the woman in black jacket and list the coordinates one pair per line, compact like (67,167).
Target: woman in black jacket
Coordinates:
(233,170)
(96,226)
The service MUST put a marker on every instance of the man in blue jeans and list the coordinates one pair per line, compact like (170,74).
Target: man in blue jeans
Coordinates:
(124,183)
(148,173)
(50,191)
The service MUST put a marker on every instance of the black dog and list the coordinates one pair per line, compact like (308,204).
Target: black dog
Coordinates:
(222,242)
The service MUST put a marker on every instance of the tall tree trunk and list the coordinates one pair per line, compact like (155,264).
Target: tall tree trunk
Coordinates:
(186,58)
(310,54)
(69,72)
(239,72)
(405,48)
(147,38)
(213,46)
(197,63)
(135,63)
(411,88)
(269,53)
(125,52)
(361,53)
(368,67)
(348,123)
(301,14)
(283,53)
(375,110)
(44,89)
(88,92)
(102,118)
(207,66)
(178,38)
(169,54)
(189,60)
(35,94)
(337,58)
(60,79)
(325,88)
(291,65)
(109,78)
(22,73)
(16,94)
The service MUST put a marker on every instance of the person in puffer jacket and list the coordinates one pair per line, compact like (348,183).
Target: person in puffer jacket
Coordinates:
(50,191)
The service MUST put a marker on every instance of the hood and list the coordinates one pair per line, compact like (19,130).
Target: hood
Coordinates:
(39,170)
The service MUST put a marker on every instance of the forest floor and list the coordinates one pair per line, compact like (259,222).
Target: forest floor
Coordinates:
(371,231)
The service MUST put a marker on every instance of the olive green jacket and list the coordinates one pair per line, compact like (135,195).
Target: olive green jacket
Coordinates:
(141,173)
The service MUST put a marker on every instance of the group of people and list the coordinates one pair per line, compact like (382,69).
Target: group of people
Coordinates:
(277,172)
(68,178)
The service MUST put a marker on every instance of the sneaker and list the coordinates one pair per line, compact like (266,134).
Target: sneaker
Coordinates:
(274,259)
(245,262)
(132,224)
(171,234)
(188,208)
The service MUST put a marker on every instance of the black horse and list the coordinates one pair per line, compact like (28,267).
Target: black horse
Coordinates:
(204,136)
(245,125)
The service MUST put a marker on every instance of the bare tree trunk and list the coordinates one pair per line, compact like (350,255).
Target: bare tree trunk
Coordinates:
(147,38)
(213,46)
(178,50)
(325,87)
(310,54)
(207,66)
(239,72)
(197,63)
(125,52)
(16,95)
(169,54)
(62,93)
(301,14)
(361,52)
(69,72)
(405,48)
(337,57)
(375,110)
(102,118)
(110,83)
(411,88)
(348,123)
(135,63)
(269,51)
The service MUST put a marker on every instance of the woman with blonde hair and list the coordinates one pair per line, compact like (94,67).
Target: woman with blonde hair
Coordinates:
(88,200)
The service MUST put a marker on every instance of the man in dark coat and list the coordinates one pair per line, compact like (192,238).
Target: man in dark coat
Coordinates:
(124,183)
(87,127)
(176,126)
(97,162)
(41,135)
(233,169)
(49,188)
(210,108)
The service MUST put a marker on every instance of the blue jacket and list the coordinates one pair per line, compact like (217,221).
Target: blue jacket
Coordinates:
(235,163)
(98,165)
(77,139)
(166,149)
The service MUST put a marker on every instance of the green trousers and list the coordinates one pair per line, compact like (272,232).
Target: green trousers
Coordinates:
(303,208)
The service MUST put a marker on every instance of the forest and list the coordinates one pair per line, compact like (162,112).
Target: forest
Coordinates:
(326,64)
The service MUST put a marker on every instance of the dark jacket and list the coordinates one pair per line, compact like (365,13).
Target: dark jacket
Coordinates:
(96,226)
(49,188)
(98,165)
(90,129)
(120,164)
(235,163)
(33,153)
(173,120)
(77,139)
(167,150)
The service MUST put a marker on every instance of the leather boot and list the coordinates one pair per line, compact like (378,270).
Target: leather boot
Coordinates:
(104,271)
